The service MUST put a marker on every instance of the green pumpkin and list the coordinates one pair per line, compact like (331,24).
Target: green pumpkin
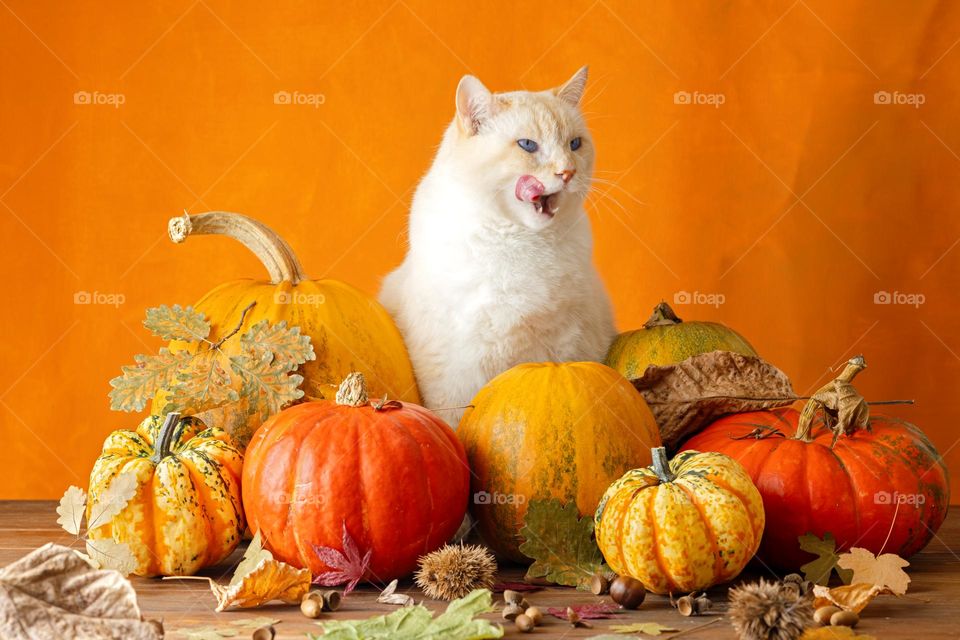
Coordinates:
(666,339)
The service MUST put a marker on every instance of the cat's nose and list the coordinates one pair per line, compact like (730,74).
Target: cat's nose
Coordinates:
(566,175)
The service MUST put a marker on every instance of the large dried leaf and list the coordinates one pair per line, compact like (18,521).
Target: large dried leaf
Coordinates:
(852,597)
(138,383)
(417,623)
(71,509)
(885,570)
(53,593)
(177,323)
(560,543)
(819,570)
(252,557)
(687,396)
(269,580)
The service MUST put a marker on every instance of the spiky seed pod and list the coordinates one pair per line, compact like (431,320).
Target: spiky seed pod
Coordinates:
(764,611)
(455,570)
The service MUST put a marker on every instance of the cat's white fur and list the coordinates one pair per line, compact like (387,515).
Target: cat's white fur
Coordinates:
(488,281)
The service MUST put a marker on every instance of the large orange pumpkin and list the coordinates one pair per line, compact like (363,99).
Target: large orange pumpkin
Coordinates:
(349,330)
(666,339)
(549,430)
(393,475)
(880,487)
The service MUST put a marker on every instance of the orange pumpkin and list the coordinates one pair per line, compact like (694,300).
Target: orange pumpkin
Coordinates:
(392,475)
(549,430)
(349,330)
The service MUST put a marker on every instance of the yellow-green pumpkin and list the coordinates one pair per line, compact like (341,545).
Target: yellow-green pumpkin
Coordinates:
(349,330)
(549,430)
(187,512)
(666,339)
(682,525)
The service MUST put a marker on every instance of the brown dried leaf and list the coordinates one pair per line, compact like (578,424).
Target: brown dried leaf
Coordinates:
(885,570)
(52,588)
(687,396)
(268,580)
(851,597)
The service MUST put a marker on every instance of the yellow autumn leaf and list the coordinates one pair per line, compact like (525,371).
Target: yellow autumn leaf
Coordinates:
(851,597)
(833,633)
(885,570)
(269,580)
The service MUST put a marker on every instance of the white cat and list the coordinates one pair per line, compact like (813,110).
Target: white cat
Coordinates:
(499,269)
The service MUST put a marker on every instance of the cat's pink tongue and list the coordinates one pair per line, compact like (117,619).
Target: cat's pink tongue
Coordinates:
(529,188)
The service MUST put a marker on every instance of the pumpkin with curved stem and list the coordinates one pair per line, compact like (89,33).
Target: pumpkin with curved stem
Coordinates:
(877,483)
(549,430)
(187,512)
(666,339)
(349,330)
(390,474)
(682,525)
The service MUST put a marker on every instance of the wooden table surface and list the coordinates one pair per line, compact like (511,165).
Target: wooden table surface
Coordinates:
(930,611)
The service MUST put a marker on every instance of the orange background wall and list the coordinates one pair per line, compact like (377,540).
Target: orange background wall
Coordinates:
(797,199)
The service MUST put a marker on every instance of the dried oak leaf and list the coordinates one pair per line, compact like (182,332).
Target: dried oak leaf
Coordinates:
(851,597)
(346,566)
(560,543)
(648,628)
(53,593)
(885,570)
(177,323)
(71,509)
(686,396)
(586,611)
(820,569)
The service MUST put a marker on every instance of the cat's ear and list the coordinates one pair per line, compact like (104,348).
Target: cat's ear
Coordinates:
(474,104)
(572,89)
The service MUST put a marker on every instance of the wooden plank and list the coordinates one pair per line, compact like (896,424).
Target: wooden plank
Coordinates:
(927,613)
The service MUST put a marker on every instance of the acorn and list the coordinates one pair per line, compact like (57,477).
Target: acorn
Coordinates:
(311,607)
(824,613)
(844,619)
(574,619)
(524,623)
(690,606)
(534,614)
(331,600)
(627,592)
(599,585)
(793,577)
(512,597)
(511,611)
(265,633)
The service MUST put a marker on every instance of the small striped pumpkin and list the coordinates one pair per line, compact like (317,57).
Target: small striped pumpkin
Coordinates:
(187,512)
(682,525)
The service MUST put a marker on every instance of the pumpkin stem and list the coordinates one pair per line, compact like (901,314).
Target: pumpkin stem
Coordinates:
(661,466)
(816,402)
(663,316)
(164,441)
(353,391)
(272,250)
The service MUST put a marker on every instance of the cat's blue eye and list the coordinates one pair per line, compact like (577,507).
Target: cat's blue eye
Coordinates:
(575,144)
(528,145)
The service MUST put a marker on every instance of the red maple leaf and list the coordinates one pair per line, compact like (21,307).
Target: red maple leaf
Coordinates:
(345,567)
(586,611)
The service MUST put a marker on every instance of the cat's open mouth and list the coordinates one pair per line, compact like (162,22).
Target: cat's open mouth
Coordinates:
(546,204)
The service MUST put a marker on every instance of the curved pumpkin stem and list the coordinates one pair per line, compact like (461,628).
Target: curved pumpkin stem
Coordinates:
(828,398)
(272,250)
(353,391)
(164,441)
(661,466)
(663,316)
